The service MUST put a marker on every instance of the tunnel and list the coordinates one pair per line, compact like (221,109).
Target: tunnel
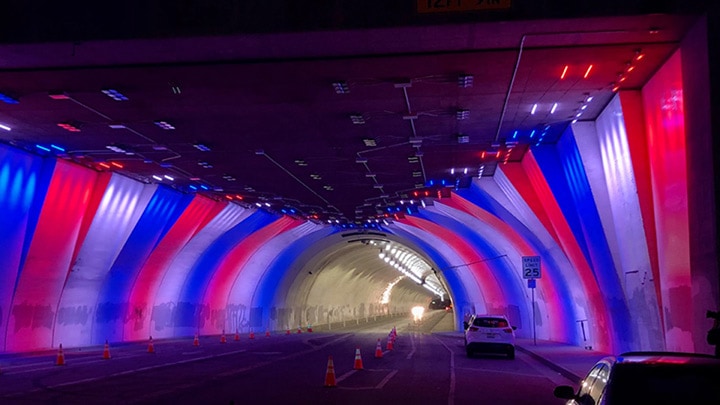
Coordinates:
(620,213)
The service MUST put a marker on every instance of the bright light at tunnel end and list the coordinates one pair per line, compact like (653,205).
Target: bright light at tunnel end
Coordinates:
(417,313)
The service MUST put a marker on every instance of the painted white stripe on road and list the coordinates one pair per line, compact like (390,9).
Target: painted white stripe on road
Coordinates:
(451,392)
(412,343)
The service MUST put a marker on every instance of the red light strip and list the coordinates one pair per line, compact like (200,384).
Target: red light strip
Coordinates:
(564,72)
(587,72)
(118,165)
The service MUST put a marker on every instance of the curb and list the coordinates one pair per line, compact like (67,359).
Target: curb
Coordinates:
(563,371)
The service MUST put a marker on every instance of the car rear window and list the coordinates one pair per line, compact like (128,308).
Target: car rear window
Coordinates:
(664,384)
(490,323)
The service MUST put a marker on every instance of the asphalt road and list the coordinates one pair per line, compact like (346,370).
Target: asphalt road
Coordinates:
(423,368)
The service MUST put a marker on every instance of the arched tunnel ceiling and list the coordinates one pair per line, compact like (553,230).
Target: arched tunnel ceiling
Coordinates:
(350,270)
(258,119)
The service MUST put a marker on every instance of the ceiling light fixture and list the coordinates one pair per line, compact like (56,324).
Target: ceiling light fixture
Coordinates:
(115,95)
(201,147)
(357,119)
(370,142)
(341,87)
(116,148)
(8,99)
(461,138)
(564,72)
(58,95)
(116,126)
(534,108)
(587,72)
(69,127)
(465,81)
(462,114)
(361,160)
(554,107)
(156,177)
(164,125)
(5,127)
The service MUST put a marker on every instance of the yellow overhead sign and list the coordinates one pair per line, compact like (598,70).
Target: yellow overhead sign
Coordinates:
(439,6)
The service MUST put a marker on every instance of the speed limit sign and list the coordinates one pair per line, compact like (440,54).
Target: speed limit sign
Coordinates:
(531,267)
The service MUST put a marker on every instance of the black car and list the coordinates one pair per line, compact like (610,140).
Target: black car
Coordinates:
(657,378)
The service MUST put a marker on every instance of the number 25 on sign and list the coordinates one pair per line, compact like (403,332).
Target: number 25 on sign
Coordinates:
(438,6)
(531,267)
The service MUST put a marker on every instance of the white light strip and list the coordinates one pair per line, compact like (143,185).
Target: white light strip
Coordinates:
(5,127)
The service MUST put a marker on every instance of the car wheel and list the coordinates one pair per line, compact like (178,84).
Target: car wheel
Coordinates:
(511,353)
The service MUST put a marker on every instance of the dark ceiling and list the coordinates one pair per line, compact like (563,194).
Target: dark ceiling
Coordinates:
(423,106)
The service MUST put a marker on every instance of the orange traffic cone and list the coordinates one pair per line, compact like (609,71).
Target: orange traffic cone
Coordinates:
(287,332)
(330,374)
(389,344)
(60,357)
(196,341)
(299,329)
(358,360)
(309,328)
(267,332)
(378,350)
(252,334)
(237,335)
(106,351)
(223,339)
(151,347)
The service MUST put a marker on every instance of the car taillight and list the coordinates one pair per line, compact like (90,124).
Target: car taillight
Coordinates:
(507,330)
(473,329)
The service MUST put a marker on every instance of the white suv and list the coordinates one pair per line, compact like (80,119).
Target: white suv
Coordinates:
(489,334)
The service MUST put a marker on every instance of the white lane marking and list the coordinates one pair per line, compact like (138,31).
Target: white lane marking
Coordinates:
(412,342)
(31,368)
(346,375)
(121,373)
(239,371)
(451,392)
(386,379)
(380,385)
(495,371)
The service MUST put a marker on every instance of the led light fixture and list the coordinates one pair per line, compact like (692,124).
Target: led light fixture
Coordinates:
(116,148)
(5,127)
(361,160)
(115,95)
(462,114)
(554,107)
(341,87)
(5,98)
(201,147)
(370,142)
(357,119)
(534,108)
(461,138)
(465,81)
(58,95)
(68,126)
(164,125)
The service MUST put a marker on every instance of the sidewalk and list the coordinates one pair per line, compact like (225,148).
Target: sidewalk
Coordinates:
(572,362)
